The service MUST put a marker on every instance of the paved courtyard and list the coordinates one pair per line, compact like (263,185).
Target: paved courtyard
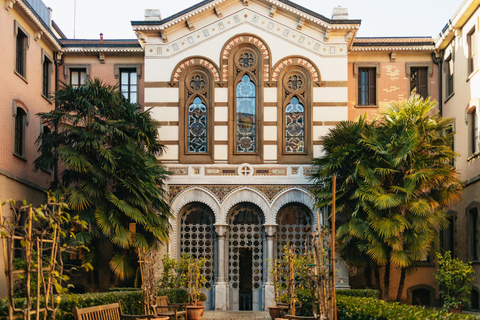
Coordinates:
(236,315)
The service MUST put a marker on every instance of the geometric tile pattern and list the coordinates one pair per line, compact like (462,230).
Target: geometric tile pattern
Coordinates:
(248,16)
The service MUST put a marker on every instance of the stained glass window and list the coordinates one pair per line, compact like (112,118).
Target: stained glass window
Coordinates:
(294,127)
(246,116)
(197,127)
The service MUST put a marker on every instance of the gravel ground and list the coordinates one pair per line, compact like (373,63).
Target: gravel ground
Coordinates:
(236,315)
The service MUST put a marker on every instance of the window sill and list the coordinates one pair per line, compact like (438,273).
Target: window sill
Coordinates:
(20,157)
(21,77)
(366,106)
(48,99)
(472,74)
(473,156)
(449,97)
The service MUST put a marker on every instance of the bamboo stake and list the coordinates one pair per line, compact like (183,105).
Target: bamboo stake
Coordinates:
(39,278)
(334,187)
(28,259)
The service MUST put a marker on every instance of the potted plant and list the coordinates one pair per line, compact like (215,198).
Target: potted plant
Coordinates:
(453,278)
(194,281)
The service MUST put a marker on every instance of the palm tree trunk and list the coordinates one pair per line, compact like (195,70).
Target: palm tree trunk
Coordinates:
(401,284)
(386,282)
(377,279)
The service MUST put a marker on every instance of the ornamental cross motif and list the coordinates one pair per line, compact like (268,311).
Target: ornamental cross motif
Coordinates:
(245,171)
(246,60)
(295,82)
(197,83)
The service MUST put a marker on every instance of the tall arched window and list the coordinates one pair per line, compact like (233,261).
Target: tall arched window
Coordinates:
(246,72)
(246,116)
(196,132)
(294,92)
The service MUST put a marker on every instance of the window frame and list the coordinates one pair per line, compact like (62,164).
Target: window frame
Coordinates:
(416,65)
(472,122)
(449,69)
(69,67)
(47,71)
(129,85)
(21,33)
(186,99)
(357,68)
(236,74)
(472,232)
(305,97)
(472,51)
(118,69)
(21,121)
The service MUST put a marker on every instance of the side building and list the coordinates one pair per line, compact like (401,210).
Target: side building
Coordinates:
(28,47)
(458,48)
(382,71)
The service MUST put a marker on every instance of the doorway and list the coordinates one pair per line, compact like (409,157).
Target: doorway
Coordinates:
(245,285)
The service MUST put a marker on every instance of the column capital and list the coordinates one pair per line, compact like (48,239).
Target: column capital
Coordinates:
(270,229)
(221,229)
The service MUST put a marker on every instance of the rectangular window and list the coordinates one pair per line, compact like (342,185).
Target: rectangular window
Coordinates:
(474,126)
(20,122)
(78,77)
(473,233)
(367,87)
(47,65)
(419,81)
(128,84)
(449,77)
(447,237)
(472,51)
(21,53)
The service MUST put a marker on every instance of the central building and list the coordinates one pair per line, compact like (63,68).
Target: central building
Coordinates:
(244,92)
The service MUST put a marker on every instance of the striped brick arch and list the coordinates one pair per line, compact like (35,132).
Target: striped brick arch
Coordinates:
(189,62)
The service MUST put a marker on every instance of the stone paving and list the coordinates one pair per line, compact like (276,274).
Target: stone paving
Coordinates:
(236,315)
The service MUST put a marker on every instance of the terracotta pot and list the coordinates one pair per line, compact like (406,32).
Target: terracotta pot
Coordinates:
(274,312)
(195,312)
(200,303)
(455,310)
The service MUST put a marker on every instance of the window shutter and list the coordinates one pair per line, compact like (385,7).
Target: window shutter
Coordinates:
(422,84)
(360,82)
(372,87)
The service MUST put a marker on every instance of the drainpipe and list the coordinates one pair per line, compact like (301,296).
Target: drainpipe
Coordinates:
(438,60)
(58,61)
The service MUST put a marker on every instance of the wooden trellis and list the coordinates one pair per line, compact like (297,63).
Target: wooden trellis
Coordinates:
(35,236)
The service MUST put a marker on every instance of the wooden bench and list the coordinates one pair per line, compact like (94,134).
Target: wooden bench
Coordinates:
(105,312)
(165,309)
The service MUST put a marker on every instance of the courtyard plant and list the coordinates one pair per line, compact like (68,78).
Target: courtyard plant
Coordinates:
(103,150)
(453,277)
(394,182)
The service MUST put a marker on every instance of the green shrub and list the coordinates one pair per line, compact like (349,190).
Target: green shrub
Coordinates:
(355,308)
(132,303)
(363,293)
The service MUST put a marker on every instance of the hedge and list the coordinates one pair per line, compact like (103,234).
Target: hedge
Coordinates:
(132,303)
(355,308)
(364,293)
(131,300)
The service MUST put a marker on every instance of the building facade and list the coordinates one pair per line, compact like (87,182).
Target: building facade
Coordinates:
(244,90)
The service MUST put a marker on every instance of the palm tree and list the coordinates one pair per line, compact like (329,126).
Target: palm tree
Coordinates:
(403,183)
(111,177)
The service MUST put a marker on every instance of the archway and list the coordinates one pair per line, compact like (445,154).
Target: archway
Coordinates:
(197,238)
(245,256)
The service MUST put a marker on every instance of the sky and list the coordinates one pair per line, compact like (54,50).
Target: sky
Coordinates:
(379,17)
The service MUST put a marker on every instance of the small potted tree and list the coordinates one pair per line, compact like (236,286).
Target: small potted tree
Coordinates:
(193,280)
(453,278)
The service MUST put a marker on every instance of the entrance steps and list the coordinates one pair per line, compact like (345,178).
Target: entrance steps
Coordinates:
(236,315)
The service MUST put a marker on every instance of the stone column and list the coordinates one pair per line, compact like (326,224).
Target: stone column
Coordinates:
(221,284)
(269,295)
(342,278)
